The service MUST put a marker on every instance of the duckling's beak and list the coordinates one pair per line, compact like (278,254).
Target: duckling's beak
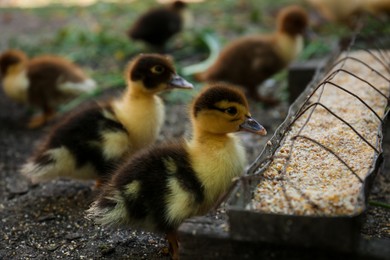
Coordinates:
(179,82)
(251,125)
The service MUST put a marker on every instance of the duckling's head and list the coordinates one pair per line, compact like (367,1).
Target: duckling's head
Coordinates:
(292,20)
(11,59)
(179,5)
(222,109)
(152,73)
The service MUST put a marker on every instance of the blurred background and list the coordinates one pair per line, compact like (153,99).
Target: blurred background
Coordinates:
(93,33)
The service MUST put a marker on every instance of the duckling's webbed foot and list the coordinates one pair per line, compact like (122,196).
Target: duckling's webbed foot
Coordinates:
(173,245)
(39,120)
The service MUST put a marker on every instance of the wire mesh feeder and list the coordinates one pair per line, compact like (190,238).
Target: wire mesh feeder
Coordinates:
(309,185)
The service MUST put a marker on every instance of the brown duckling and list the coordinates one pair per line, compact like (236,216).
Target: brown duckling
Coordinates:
(43,82)
(377,8)
(89,143)
(250,60)
(342,12)
(346,12)
(161,186)
(158,25)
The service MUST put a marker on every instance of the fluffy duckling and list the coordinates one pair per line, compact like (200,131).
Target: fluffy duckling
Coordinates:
(158,25)
(43,82)
(377,8)
(89,143)
(161,186)
(346,12)
(343,12)
(250,60)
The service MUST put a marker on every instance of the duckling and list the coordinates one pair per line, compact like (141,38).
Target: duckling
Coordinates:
(158,25)
(249,60)
(43,82)
(378,8)
(89,143)
(161,186)
(346,12)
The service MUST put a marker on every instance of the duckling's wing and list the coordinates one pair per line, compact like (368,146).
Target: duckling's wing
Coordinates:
(247,62)
(79,147)
(156,190)
(57,79)
(266,60)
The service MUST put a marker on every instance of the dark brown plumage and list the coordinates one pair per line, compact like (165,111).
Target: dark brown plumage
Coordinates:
(43,82)
(161,186)
(158,25)
(89,143)
(250,60)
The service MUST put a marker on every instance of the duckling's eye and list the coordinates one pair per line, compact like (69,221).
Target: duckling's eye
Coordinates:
(231,111)
(158,69)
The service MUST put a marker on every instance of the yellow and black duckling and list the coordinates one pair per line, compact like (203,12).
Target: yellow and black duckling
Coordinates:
(43,82)
(161,186)
(89,143)
(158,25)
(250,60)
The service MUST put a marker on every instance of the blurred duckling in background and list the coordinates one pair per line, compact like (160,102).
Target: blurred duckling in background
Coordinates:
(342,12)
(158,25)
(161,186)
(250,60)
(378,8)
(43,82)
(346,12)
(89,143)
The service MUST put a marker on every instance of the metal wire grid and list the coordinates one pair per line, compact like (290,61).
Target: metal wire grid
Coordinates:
(261,164)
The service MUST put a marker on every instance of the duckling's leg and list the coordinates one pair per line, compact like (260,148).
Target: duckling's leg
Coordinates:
(99,183)
(173,245)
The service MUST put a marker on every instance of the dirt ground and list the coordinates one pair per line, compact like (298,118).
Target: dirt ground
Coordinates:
(47,221)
